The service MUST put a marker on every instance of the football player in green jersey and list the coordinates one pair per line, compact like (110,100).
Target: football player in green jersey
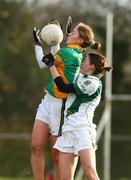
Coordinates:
(49,113)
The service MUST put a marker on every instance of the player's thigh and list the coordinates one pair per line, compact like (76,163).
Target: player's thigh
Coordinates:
(54,152)
(87,158)
(53,140)
(40,133)
(66,164)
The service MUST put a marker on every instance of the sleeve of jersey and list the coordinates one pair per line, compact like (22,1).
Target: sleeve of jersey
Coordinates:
(85,87)
(39,55)
(66,88)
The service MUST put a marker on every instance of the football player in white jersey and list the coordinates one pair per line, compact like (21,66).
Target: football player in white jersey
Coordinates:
(79,131)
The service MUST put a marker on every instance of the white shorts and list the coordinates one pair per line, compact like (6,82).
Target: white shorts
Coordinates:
(74,141)
(49,111)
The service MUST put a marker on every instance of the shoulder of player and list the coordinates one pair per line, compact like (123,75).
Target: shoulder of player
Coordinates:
(95,82)
(88,84)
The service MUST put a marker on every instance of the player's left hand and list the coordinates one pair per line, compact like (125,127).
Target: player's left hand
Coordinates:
(36,36)
(48,60)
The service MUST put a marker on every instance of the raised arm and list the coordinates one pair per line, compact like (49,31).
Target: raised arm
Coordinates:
(39,51)
(61,85)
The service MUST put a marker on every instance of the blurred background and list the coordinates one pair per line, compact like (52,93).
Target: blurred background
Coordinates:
(22,82)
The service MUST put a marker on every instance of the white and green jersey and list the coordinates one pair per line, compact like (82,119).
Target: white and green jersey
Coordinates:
(80,107)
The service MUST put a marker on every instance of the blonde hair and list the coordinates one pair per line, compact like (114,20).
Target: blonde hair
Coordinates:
(87,35)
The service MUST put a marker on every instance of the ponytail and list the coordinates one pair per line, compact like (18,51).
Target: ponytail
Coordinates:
(95,45)
(104,70)
(108,69)
(87,35)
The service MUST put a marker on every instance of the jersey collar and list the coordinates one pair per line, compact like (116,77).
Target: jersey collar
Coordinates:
(76,46)
(88,75)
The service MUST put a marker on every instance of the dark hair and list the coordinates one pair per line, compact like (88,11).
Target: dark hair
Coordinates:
(87,35)
(99,62)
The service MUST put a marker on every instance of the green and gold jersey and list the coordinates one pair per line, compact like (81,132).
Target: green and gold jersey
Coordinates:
(67,62)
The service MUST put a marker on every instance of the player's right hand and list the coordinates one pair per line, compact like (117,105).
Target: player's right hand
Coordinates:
(48,60)
(36,36)
(68,25)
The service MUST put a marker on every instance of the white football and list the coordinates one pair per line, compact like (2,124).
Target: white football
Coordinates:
(51,34)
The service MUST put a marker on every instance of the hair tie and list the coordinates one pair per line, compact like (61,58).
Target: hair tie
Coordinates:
(92,43)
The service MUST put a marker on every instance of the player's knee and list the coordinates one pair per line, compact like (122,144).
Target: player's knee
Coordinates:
(55,156)
(36,146)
